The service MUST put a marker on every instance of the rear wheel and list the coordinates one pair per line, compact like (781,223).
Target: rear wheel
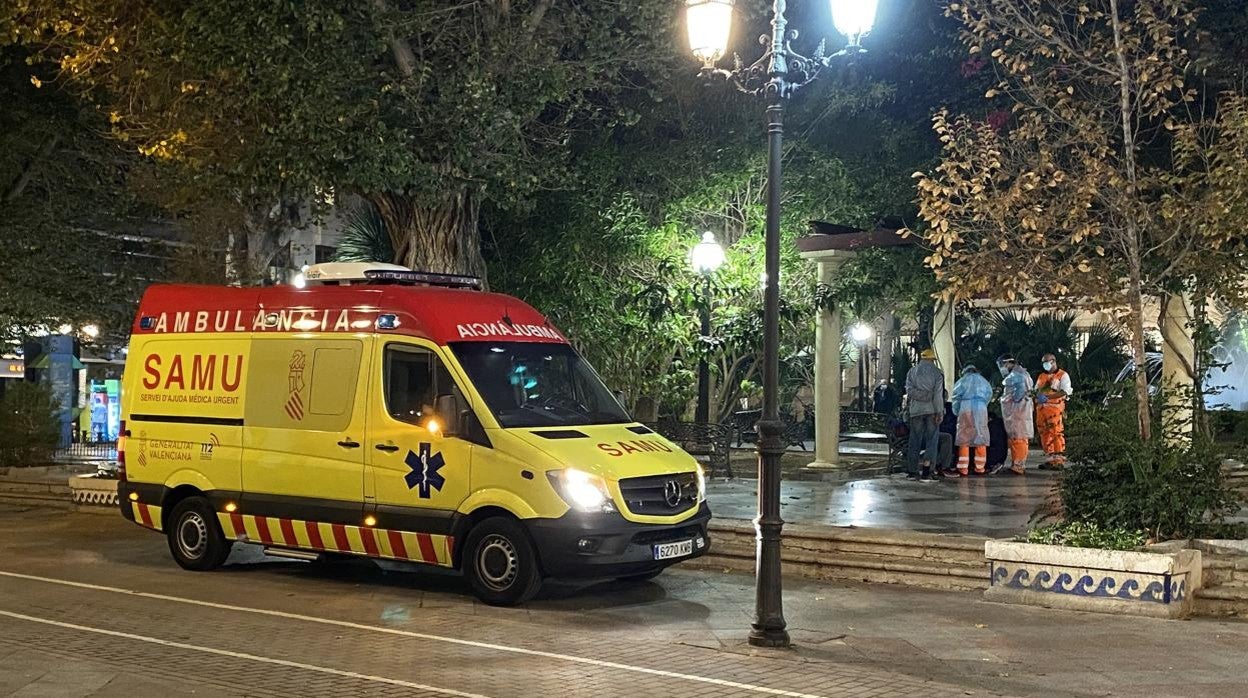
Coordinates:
(501,563)
(195,538)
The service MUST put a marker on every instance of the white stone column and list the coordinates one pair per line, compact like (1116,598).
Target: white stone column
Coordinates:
(1178,361)
(828,335)
(944,342)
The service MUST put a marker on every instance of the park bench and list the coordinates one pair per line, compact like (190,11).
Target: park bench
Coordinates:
(876,427)
(796,432)
(708,443)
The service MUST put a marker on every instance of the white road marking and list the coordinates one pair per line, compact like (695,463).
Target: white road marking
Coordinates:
(243,655)
(424,636)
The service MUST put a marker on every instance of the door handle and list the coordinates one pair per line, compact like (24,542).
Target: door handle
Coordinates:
(386,448)
(348,443)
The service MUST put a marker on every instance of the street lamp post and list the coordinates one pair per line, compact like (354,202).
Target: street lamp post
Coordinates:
(775,76)
(706,257)
(861,333)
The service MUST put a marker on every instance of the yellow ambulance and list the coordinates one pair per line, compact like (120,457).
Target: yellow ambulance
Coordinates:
(393,414)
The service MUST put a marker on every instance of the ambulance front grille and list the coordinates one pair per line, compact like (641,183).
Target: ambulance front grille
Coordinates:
(660,495)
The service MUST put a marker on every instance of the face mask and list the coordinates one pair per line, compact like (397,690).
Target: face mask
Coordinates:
(1049,366)
(1005,371)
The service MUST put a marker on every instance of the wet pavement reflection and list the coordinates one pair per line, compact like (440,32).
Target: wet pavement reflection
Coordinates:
(996,506)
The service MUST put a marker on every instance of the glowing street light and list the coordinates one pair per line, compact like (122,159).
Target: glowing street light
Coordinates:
(861,333)
(854,19)
(709,23)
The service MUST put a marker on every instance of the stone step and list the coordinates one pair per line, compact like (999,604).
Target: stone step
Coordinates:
(842,540)
(54,501)
(1221,569)
(1222,601)
(34,487)
(854,554)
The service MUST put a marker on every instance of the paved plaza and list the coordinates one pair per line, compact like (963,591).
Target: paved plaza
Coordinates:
(91,605)
(997,506)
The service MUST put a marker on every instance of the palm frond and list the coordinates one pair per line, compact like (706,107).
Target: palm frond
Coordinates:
(364,237)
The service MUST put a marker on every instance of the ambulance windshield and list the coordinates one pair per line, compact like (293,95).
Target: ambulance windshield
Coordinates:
(527,384)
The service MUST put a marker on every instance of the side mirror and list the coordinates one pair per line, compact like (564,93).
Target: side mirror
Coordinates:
(451,412)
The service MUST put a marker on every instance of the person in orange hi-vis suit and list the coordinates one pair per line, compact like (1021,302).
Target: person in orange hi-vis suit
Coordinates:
(1052,389)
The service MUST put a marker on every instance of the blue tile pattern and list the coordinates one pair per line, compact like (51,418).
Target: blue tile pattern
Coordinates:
(1157,588)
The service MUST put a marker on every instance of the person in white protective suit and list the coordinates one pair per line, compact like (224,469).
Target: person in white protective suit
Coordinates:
(1017,408)
(970,403)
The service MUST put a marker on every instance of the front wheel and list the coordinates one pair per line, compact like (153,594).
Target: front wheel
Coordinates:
(501,563)
(195,537)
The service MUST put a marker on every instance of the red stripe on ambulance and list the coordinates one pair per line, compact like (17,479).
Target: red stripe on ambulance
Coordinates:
(426,548)
(145,515)
(370,543)
(396,544)
(314,535)
(340,538)
(262,525)
(288,532)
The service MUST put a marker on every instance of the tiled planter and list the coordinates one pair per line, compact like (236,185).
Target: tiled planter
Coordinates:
(1157,584)
(91,493)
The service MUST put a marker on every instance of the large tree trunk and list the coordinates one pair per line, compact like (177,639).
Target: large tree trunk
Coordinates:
(1143,416)
(1132,220)
(438,237)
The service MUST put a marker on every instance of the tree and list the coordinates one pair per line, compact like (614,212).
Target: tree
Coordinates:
(424,108)
(65,205)
(1085,196)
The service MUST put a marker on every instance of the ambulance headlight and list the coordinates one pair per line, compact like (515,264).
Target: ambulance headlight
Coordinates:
(581,490)
(701,483)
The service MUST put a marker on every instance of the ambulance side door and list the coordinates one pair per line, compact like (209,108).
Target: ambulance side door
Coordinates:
(304,448)
(418,476)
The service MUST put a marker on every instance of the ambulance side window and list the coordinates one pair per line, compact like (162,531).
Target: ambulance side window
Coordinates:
(413,380)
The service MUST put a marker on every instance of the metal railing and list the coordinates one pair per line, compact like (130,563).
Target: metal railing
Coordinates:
(87,451)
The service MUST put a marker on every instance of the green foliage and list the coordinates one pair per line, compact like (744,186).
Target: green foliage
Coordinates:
(363,238)
(65,202)
(985,336)
(29,429)
(880,279)
(1082,534)
(306,96)
(1165,487)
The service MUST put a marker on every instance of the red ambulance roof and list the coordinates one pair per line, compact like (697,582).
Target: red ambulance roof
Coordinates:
(439,314)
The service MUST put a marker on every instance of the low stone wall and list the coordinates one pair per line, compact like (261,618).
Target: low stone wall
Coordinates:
(835,553)
(93,493)
(1161,584)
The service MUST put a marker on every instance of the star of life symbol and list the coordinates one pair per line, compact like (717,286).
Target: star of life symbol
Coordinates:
(425,466)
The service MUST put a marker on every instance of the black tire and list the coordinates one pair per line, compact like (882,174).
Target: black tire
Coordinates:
(501,562)
(194,534)
(643,577)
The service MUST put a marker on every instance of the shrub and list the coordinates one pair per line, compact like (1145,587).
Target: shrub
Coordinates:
(1080,534)
(29,428)
(1166,488)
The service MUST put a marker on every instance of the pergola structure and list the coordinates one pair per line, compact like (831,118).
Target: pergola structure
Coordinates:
(829,246)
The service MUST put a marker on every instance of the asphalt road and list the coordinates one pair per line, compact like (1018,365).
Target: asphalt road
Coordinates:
(92,605)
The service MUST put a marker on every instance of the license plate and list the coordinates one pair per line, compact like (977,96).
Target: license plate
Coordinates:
(665,551)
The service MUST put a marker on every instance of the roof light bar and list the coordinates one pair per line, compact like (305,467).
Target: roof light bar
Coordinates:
(423,277)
